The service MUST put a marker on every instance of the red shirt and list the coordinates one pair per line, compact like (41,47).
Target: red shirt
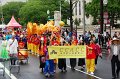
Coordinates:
(36,41)
(91,52)
(55,43)
(21,45)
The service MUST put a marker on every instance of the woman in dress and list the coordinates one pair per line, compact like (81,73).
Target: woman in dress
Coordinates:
(4,52)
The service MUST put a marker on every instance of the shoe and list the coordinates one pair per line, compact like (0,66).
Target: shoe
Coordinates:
(61,70)
(47,75)
(92,73)
(65,70)
(73,68)
(117,75)
(113,77)
(88,72)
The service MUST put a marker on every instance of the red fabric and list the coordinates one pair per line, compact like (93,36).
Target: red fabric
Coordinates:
(91,52)
(36,41)
(55,43)
(21,45)
(98,49)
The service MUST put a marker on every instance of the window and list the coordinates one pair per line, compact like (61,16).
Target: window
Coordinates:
(79,8)
(76,9)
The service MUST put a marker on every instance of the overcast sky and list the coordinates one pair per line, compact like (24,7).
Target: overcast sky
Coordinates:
(4,1)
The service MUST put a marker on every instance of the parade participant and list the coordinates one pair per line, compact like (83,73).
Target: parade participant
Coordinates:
(12,47)
(108,45)
(73,60)
(90,58)
(54,42)
(36,43)
(49,63)
(115,57)
(97,52)
(21,44)
(81,61)
(4,52)
(42,46)
(62,61)
(8,36)
(24,39)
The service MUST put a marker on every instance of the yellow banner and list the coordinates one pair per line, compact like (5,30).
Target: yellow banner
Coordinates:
(67,51)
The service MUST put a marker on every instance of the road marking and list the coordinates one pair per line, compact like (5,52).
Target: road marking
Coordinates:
(8,72)
(86,73)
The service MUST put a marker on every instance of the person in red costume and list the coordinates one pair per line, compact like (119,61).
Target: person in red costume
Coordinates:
(90,57)
(36,43)
(21,44)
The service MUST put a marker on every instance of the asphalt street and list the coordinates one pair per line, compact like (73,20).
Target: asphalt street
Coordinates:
(32,71)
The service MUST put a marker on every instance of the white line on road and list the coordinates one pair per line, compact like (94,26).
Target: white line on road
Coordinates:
(86,73)
(8,72)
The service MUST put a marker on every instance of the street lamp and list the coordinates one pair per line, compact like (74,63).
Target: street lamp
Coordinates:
(48,13)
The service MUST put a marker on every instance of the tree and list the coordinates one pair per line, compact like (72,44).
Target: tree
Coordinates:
(113,8)
(11,8)
(36,10)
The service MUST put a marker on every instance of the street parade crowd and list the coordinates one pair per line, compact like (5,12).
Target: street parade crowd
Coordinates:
(38,41)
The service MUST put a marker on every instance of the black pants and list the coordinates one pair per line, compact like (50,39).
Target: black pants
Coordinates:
(115,62)
(96,59)
(13,60)
(62,63)
(72,62)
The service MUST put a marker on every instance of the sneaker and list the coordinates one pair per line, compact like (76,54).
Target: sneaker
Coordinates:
(46,75)
(92,73)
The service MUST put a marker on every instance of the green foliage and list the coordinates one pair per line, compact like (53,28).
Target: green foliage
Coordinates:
(11,8)
(36,10)
(77,22)
(113,8)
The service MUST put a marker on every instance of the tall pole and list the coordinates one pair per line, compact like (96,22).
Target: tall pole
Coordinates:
(2,19)
(83,16)
(60,9)
(101,16)
(71,20)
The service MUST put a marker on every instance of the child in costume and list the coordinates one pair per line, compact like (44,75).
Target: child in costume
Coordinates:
(49,64)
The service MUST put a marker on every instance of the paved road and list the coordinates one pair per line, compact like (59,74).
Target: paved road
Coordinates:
(32,71)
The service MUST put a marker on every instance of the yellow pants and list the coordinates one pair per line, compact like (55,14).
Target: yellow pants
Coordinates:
(28,46)
(90,65)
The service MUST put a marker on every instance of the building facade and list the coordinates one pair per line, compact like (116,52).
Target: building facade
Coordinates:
(78,13)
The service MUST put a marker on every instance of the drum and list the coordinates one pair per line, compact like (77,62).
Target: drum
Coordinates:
(23,53)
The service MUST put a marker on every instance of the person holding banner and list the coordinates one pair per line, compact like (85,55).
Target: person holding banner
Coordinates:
(73,60)
(54,42)
(90,58)
(49,63)
(42,53)
(81,61)
(62,61)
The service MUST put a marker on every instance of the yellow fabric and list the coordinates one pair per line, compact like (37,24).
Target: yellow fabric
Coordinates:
(90,65)
(67,52)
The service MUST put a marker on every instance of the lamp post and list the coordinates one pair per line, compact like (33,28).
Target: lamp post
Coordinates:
(48,13)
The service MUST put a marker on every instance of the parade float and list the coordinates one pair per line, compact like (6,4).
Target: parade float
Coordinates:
(42,31)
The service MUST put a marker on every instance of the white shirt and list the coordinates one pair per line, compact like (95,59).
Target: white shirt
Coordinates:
(12,46)
(115,50)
